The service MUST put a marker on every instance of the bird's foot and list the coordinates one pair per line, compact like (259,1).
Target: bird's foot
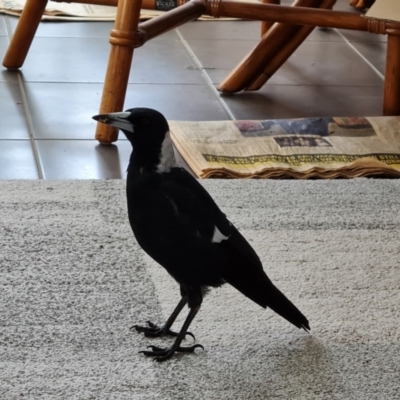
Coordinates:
(162,354)
(152,330)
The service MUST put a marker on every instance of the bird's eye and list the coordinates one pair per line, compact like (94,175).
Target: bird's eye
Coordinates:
(145,121)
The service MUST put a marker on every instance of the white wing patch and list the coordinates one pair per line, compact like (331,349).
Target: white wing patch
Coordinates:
(218,236)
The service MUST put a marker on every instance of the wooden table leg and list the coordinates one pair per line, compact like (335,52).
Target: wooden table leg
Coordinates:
(123,41)
(391,95)
(24,33)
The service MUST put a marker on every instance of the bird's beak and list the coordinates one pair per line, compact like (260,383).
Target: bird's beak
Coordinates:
(117,119)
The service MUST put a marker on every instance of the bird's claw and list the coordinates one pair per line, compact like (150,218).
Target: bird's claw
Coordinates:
(162,354)
(153,330)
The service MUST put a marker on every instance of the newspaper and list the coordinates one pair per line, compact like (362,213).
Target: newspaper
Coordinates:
(385,9)
(87,12)
(63,11)
(298,148)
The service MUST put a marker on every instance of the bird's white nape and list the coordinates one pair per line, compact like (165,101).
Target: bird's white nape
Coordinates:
(167,155)
(218,236)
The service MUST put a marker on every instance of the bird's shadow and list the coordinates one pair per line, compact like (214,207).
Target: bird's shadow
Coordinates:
(301,368)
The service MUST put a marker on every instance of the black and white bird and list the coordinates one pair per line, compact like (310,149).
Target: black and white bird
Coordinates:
(176,221)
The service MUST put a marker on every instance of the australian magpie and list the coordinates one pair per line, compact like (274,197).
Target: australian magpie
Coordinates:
(176,221)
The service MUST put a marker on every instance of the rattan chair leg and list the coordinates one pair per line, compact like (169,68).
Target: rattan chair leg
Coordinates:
(272,65)
(123,39)
(265,25)
(391,94)
(253,65)
(24,33)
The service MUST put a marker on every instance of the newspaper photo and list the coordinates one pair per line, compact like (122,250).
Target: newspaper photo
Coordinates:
(298,148)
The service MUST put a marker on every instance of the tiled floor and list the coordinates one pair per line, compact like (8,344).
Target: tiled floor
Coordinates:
(46,129)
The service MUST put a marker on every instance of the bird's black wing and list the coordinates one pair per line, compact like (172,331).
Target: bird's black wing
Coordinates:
(219,219)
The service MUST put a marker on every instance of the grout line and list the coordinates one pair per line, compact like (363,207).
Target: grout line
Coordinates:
(8,27)
(360,54)
(39,166)
(28,118)
(205,75)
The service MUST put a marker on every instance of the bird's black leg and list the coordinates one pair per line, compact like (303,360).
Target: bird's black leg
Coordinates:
(161,354)
(152,330)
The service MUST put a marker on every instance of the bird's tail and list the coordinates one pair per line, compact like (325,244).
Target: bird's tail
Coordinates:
(263,292)
(278,302)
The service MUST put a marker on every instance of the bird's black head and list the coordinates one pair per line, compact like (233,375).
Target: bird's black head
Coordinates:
(138,124)
(145,128)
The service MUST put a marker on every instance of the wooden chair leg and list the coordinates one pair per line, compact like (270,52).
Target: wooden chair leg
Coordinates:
(250,68)
(265,25)
(24,33)
(391,95)
(123,41)
(285,52)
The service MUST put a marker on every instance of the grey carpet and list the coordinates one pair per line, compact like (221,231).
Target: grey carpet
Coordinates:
(73,281)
